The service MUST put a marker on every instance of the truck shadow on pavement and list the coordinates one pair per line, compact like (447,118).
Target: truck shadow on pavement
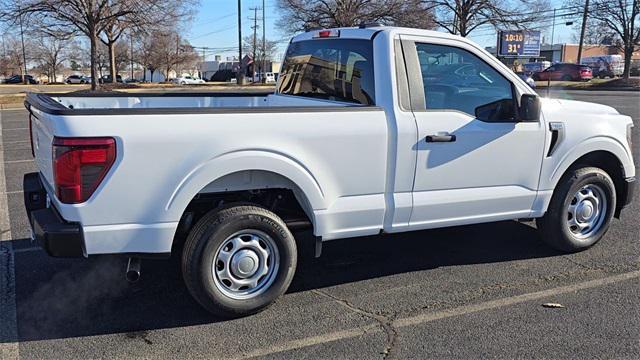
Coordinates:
(63,298)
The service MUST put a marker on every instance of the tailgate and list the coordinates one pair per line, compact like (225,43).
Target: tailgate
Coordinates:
(41,139)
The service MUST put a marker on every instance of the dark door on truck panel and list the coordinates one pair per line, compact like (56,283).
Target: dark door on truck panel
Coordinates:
(475,161)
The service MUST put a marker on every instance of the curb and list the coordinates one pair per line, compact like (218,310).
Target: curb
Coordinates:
(590,88)
(12,106)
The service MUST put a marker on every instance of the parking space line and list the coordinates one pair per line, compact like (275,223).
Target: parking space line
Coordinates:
(18,161)
(439,315)
(9,330)
(22,128)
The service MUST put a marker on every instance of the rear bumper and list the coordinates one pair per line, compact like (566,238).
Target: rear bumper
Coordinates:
(58,237)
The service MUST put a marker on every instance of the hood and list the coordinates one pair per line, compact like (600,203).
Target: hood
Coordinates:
(573,106)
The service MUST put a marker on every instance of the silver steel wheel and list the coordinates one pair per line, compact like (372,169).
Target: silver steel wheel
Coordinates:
(246,264)
(587,211)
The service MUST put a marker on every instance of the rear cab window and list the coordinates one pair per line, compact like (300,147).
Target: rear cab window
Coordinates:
(330,69)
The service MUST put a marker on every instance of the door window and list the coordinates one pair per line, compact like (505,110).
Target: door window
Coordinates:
(455,79)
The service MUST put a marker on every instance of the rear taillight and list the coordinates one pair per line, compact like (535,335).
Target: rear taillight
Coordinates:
(80,165)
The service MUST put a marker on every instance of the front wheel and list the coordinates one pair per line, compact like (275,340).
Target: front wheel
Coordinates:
(580,211)
(238,260)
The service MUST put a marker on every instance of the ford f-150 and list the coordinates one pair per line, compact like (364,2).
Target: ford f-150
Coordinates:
(370,130)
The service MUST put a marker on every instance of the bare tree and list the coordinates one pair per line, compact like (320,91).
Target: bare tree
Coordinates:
(262,53)
(299,15)
(620,19)
(50,50)
(595,34)
(13,58)
(461,17)
(90,17)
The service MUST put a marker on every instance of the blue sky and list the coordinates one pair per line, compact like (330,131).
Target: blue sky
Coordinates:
(215,26)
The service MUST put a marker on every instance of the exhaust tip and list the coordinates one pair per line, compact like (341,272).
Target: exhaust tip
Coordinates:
(133,276)
(133,270)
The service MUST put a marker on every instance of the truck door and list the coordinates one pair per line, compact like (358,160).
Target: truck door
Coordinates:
(475,161)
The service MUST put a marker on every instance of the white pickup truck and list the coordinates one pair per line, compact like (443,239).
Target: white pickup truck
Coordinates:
(370,130)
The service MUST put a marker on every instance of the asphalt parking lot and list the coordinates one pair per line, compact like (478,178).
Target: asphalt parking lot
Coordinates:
(465,292)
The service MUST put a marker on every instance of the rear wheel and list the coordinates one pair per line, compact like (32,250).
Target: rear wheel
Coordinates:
(236,261)
(580,211)
(567,78)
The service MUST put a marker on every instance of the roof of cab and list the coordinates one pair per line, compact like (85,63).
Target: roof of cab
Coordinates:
(368,32)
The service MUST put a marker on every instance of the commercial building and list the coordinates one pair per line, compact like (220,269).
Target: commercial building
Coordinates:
(565,53)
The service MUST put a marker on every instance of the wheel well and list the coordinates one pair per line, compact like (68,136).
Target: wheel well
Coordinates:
(611,165)
(266,189)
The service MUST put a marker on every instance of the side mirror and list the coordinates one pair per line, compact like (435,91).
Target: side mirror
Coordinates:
(529,107)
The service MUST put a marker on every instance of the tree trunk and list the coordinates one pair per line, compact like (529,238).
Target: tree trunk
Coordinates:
(628,53)
(112,61)
(144,74)
(93,39)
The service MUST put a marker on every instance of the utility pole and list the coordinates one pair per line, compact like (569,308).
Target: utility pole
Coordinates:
(24,56)
(264,47)
(204,59)
(584,26)
(553,30)
(255,34)
(240,76)
(131,42)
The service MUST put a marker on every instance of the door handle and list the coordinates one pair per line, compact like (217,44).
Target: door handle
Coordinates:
(445,137)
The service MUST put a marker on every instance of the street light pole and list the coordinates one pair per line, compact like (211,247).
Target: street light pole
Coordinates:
(264,48)
(24,56)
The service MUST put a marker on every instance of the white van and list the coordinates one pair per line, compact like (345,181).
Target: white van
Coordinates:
(605,65)
(269,77)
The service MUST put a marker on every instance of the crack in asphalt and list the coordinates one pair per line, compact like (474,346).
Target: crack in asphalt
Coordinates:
(385,322)
(575,262)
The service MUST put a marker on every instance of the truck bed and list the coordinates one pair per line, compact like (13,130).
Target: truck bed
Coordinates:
(175,103)
(169,148)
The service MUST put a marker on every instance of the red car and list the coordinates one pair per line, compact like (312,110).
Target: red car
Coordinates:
(564,72)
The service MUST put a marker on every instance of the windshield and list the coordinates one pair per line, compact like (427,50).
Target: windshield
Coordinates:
(332,69)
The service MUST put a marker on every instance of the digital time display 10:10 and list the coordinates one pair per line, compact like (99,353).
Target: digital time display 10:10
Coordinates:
(519,43)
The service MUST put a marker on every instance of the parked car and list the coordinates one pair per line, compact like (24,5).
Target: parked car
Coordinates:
(108,79)
(224,181)
(605,65)
(76,79)
(533,67)
(526,76)
(17,79)
(564,72)
(188,80)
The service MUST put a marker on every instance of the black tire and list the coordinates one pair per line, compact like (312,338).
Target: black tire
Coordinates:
(553,225)
(204,242)
(567,78)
